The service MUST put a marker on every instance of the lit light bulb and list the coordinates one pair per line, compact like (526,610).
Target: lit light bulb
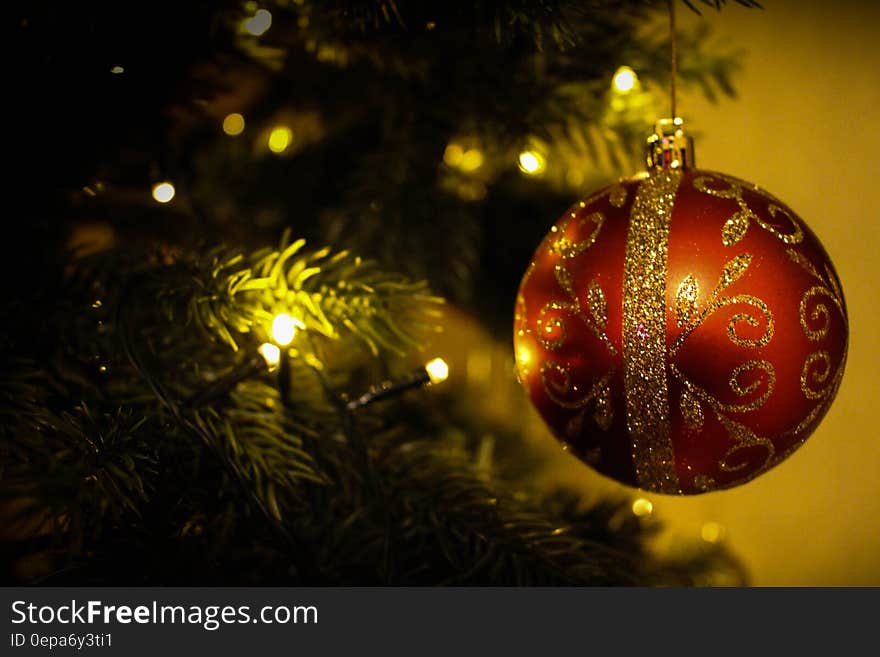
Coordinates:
(643,507)
(453,154)
(271,353)
(163,192)
(531,163)
(438,370)
(712,532)
(259,23)
(116,70)
(471,160)
(624,80)
(283,329)
(280,139)
(233,124)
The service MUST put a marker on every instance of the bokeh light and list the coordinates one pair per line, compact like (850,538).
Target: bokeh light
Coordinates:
(259,23)
(624,80)
(163,192)
(283,329)
(438,370)
(280,139)
(531,163)
(233,124)
(643,507)
(271,353)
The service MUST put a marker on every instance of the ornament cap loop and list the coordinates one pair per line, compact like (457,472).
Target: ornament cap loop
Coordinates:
(669,147)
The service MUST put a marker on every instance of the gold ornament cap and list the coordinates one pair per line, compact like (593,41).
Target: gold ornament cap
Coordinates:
(669,147)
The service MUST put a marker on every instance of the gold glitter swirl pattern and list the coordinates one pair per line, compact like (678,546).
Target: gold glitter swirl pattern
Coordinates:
(766,374)
(737,224)
(816,323)
(744,437)
(603,414)
(596,301)
(805,264)
(765,338)
(551,332)
(830,391)
(689,318)
(617,197)
(734,229)
(829,288)
(691,411)
(749,366)
(598,305)
(561,391)
(811,375)
(705,483)
(834,284)
(566,282)
(819,313)
(644,332)
(567,248)
(686,300)
(734,269)
(817,368)
(794,237)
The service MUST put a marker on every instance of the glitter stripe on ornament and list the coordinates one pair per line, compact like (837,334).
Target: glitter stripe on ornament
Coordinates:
(644,332)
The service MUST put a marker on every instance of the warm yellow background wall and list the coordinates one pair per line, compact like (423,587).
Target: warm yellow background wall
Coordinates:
(806,126)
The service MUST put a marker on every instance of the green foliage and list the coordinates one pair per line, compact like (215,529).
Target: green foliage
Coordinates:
(375,92)
(106,461)
(132,472)
(327,294)
(77,471)
(718,4)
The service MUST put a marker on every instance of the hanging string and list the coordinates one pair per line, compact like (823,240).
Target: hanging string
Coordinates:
(674,74)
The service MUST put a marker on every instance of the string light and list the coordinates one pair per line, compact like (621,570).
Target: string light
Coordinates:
(233,124)
(457,157)
(642,507)
(271,353)
(438,370)
(163,192)
(531,163)
(259,23)
(453,155)
(284,329)
(471,160)
(279,139)
(434,372)
(624,80)
(712,532)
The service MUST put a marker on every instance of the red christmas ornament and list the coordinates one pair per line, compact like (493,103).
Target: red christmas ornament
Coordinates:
(681,331)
